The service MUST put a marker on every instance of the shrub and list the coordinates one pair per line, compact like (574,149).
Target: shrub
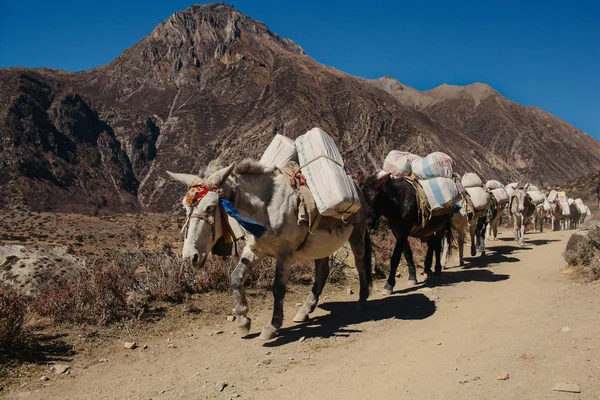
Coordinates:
(100,295)
(584,257)
(13,316)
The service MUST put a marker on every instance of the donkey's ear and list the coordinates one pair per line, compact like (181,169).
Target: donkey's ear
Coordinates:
(219,177)
(381,177)
(186,179)
(360,178)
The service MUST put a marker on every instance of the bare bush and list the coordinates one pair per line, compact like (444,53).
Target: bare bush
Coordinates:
(100,295)
(13,316)
(584,258)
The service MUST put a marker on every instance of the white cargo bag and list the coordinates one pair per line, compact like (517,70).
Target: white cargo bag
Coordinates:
(552,196)
(581,206)
(442,193)
(547,205)
(536,197)
(587,211)
(280,151)
(435,165)
(399,163)
(493,185)
(532,188)
(501,195)
(564,203)
(470,180)
(479,197)
(570,201)
(335,193)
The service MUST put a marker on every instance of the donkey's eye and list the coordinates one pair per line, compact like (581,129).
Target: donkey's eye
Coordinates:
(210,209)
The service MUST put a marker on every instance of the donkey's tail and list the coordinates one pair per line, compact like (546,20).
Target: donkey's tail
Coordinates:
(368,262)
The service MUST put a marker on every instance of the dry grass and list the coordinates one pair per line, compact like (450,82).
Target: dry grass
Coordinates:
(584,259)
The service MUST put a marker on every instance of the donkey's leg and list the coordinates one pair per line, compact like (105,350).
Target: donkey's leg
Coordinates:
(360,242)
(429,256)
(401,244)
(437,242)
(522,232)
(410,262)
(321,274)
(461,247)
(483,240)
(282,273)
(472,231)
(250,257)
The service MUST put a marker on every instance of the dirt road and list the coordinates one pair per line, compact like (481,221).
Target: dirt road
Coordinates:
(512,311)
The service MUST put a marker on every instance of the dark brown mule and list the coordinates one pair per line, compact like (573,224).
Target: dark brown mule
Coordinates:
(396,200)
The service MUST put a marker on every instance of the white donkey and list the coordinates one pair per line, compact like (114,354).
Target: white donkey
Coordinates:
(266,196)
(521,210)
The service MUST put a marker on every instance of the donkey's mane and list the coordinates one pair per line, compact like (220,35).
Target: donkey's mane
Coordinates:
(251,167)
(247,166)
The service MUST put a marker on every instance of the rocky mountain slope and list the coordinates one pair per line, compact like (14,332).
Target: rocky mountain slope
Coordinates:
(211,83)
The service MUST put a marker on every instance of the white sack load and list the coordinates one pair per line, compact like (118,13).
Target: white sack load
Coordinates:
(479,197)
(501,195)
(492,184)
(442,193)
(580,206)
(335,193)
(587,211)
(532,188)
(552,196)
(547,205)
(510,190)
(435,165)
(281,151)
(571,201)
(399,163)
(470,180)
(536,197)
(563,201)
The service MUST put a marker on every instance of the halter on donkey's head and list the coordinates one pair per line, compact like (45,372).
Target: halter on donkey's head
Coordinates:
(197,189)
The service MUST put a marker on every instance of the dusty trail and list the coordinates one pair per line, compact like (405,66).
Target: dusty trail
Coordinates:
(445,342)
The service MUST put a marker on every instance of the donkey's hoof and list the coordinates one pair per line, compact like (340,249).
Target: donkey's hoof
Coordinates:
(268,333)
(243,327)
(301,316)
(387,289)
(483,253)
(412,282)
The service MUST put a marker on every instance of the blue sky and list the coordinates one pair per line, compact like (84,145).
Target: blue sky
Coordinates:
(542,53)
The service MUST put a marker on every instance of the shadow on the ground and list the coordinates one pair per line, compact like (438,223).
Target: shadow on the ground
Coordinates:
(44,349)
(343,315)
(403,304)
(539,242)
(494,255)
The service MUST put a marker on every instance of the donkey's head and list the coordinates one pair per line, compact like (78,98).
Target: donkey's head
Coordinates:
(520,198)
(205,221)
(372,191)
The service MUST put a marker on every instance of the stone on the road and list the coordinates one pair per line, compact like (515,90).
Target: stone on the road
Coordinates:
(566,387)
(221,386)
(129,345)
(60,369)
(502,376)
